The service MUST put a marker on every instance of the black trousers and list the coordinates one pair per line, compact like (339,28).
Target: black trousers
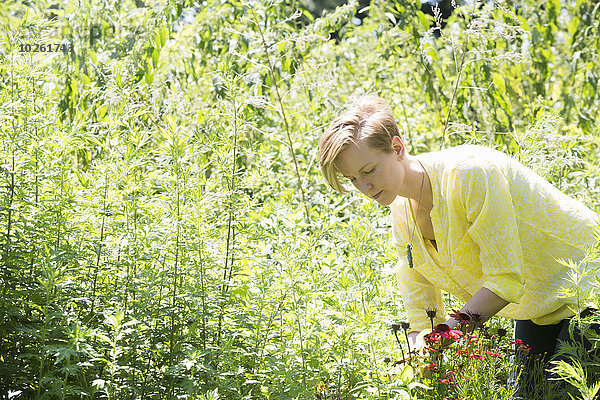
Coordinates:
(543,341)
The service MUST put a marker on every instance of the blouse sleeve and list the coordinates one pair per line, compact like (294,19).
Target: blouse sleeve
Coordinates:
(485,193)
(418,294)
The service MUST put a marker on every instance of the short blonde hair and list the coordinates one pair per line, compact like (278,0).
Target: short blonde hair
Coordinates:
(371,119)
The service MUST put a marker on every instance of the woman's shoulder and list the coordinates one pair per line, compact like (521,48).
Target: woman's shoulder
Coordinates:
(466,159)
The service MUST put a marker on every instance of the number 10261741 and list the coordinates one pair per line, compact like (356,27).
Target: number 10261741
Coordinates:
(44,47)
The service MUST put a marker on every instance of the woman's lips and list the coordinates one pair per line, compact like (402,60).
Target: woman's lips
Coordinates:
(377,195)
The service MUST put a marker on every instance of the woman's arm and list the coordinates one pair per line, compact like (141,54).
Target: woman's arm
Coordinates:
(412,339)
(485,303)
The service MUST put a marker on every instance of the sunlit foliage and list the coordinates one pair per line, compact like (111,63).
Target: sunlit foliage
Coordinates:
(164,228)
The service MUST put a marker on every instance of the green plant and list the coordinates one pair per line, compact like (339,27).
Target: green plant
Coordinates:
(166,232)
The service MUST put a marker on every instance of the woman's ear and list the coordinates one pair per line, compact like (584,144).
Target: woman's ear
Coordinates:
(398,147)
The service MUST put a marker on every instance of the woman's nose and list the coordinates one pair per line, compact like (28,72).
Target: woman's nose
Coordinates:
(365,186)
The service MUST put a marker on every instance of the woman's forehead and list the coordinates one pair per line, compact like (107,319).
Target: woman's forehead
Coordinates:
(355,157)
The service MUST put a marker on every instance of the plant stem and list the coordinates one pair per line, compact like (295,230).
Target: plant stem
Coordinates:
(404,358)
(283,115)
(300,336)
(176,155)
(408,346)
(229,243)
(203,290)
(268,328)
(457,82)
(99,250)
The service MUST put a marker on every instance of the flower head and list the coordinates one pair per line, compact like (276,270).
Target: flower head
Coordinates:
(460,316)
(519,345)
(473,339)
(493,353)
(431,367)
(476,318)
(433,337)
(446,332)
(452,334)
(450,382)
(431,313)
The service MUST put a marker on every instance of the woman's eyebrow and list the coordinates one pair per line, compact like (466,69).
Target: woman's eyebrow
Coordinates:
(363,167)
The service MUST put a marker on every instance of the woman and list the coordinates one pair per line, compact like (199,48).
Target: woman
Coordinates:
(469,220)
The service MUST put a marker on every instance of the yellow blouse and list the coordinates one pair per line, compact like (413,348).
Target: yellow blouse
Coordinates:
(499,225)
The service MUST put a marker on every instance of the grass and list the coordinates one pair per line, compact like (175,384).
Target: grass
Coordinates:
(167,233)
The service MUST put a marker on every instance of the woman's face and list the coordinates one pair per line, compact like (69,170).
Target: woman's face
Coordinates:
(376,174)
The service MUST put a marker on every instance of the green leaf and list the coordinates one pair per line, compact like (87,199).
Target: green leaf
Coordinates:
(101,112)
(74,91)
(499,82)
(155,56)
(164,35)
(103,337)
(308,15)
(149,77)
(391,17)
(286,64)
(407,375)
(349,66)
(99,383)
(423,20)
(416,384)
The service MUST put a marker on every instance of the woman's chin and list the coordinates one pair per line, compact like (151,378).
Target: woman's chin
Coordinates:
(384,199)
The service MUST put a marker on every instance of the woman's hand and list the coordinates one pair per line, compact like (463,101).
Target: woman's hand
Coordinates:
(417,342)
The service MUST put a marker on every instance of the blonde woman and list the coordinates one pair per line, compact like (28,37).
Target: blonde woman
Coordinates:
(469,220)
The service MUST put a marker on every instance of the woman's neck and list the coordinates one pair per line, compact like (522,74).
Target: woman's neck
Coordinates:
(418,186)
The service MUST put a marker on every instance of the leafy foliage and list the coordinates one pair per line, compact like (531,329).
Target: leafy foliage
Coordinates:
(165,232)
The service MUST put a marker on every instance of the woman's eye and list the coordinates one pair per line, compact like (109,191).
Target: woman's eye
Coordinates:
(371,170)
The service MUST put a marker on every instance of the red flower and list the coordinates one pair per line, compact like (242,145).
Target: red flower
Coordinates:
(462,352)
(431,367)
(447,333)
(460,316)
(441,328)
(519,345)
(473,339)
(452,334)
(476,317)
(433,337)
